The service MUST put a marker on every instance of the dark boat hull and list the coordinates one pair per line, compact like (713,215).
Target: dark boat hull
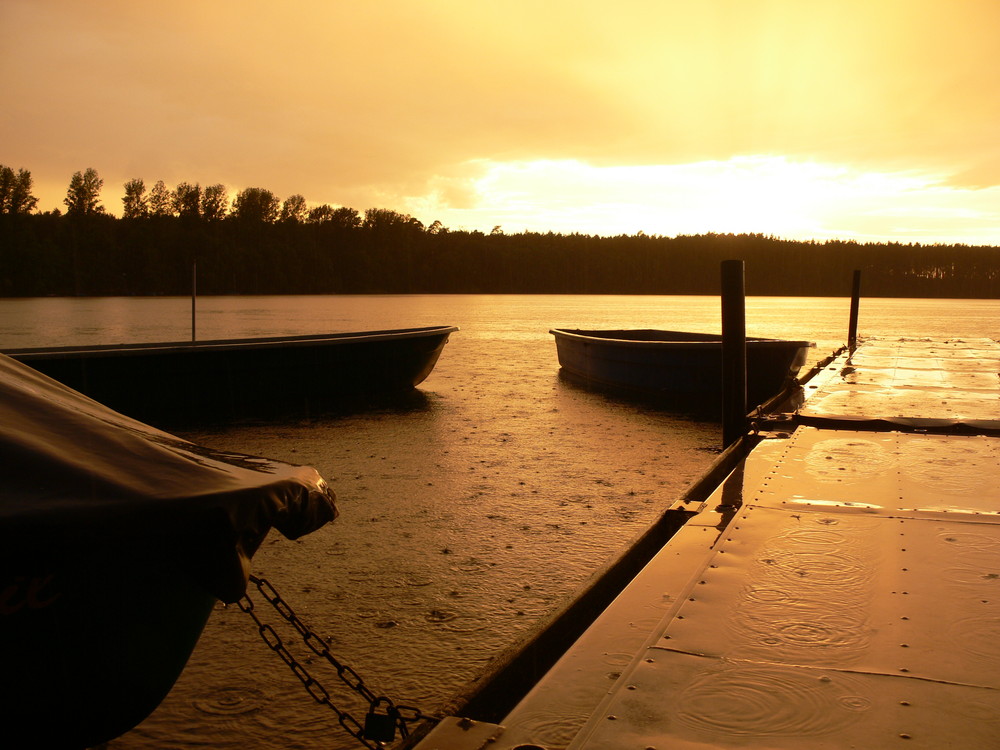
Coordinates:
(679,368)
(179,382)
(116,539)
(89,651)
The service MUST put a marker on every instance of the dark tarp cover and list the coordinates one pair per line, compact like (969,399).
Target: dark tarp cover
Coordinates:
(77,478)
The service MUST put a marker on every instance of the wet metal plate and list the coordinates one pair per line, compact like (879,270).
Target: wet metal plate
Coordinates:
(900,474)
(685,702)
(853,603)
(913,382)
(850,592)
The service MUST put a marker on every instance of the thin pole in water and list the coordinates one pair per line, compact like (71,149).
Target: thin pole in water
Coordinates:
(852,331)
(734,353)
(194,294)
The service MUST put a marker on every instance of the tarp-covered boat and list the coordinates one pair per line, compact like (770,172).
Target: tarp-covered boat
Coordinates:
(185,381)
(681,367)
(116,539)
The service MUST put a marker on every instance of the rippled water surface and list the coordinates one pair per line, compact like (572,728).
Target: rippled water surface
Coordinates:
(467,513)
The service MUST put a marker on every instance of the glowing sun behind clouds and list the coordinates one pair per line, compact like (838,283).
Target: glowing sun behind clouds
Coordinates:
(802,119)
(765,194)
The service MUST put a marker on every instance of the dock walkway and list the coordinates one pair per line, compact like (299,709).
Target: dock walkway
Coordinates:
(840,589)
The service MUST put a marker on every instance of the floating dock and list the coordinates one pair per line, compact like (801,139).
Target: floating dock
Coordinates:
(839,589)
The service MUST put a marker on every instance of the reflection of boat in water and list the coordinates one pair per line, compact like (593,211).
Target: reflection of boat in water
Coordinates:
(260,377)
(678,367)
(116,539)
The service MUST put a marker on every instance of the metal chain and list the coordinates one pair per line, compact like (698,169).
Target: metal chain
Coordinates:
(400,714)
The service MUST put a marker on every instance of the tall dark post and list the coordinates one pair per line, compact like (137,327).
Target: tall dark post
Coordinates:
(734,353)
(194,295)
(852,331)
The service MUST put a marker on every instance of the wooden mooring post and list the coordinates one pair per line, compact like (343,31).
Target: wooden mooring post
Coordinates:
(734,353)
(194,297)
(852,331)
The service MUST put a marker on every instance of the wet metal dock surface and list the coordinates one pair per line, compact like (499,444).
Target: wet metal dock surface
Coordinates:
(841,588)
(911,384)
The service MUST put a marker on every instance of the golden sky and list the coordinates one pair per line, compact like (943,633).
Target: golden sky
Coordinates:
(866,119)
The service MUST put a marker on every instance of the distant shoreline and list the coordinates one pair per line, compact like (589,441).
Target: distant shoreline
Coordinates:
(421,294)
(101,256)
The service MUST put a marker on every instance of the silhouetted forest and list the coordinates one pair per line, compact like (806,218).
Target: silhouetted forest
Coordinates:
(386,252)
(258,244)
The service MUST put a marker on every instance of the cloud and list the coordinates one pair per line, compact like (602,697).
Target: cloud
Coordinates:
(763,194)
(349,103)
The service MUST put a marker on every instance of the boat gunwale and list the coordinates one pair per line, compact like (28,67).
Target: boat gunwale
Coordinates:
(350,337)
(710,341)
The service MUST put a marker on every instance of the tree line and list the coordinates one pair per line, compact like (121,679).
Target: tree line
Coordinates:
(259,244)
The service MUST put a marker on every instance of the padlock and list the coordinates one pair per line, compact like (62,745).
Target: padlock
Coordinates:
(380,727)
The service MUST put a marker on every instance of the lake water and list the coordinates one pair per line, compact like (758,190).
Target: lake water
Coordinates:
(465,517)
